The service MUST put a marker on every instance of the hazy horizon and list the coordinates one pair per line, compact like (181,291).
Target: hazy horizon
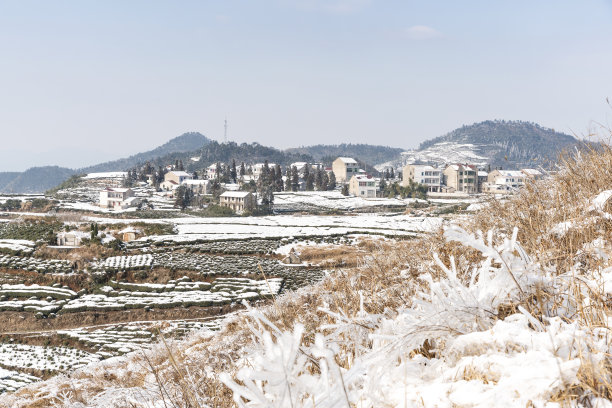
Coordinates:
(87,83)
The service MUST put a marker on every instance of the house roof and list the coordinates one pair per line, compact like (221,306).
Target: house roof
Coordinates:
(347,160)
(482,174)
(196,182)
(117,190)
(130,229)
(511,173)
(363,177)
(235,194)
(180,173)
(532,172)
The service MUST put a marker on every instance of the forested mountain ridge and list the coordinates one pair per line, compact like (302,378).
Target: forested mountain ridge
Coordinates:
(186,142)
(370,154)
(509,144)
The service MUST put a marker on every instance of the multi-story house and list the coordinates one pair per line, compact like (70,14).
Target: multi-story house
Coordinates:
(239,201)
(344,168)
(461,177)
(423,174)
(258,169)
(362,186)
(117,198)
(173,179)
(532,174)
(211,171)
(505,180)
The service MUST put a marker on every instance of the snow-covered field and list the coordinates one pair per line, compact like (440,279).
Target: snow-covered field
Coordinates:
(192,229)
(21,245)
(20,356)
(331,200)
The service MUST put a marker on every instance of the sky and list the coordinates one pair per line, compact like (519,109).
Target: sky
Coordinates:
(82,82)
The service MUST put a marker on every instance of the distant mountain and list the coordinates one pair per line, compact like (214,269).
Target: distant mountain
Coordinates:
(34,180)
(41,179)
(509,144)
(498,143)
(185,143)
(213,152)
(365,153)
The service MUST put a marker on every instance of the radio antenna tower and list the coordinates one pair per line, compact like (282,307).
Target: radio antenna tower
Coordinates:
(225,131)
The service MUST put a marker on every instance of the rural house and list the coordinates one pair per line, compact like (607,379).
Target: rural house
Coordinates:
(362,186)
(461,177)
(239,201)
(423,174)
(118,198)
(344,168)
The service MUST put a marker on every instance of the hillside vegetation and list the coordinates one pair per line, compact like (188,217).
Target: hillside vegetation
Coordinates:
(507,308)
(186,142)
(366,153)
(510,144)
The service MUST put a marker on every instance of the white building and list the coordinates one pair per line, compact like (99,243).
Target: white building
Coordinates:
(362,186)
(258,169)
(118,198)
(173,179)
(239,201)
(211,171)
(532,174)
(423,174)
(344,168)
(197,186)
(504,180)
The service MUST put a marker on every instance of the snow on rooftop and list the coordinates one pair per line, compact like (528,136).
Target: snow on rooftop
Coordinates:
(235,194)
(196,182)
(180,173)
(117,189)
(347,160)
(110,174)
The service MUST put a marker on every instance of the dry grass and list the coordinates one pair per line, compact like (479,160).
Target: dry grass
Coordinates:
(384,276)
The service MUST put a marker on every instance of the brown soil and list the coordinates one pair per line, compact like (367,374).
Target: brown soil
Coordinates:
(24,322)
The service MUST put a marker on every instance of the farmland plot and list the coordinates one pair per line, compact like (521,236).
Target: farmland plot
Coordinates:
(23,356)
(117,339)
(12,380)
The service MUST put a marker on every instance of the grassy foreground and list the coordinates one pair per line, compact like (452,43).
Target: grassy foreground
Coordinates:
(511,308)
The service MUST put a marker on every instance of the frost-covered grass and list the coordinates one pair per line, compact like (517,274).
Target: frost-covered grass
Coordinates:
(503,310)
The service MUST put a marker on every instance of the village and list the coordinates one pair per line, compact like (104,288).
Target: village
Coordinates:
(245,189)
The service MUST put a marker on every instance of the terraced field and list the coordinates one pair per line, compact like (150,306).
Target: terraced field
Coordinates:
(151,282)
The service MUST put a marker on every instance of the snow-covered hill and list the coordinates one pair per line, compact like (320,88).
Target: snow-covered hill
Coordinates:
(439,154)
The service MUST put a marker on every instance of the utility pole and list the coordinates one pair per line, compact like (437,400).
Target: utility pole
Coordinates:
(225,131)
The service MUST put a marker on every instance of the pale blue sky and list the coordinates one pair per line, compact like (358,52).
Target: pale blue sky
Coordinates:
(85,81)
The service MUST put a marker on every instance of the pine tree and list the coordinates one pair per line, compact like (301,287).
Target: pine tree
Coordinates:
(306,173)
(295,179)
(181,167)
(318,179)
(324,181)
(387,175)
(279,177)
(345,190)
(233,173)
(332,181)
(218,171)
(310,182)
(391,173)
(288,179)
(242,170)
